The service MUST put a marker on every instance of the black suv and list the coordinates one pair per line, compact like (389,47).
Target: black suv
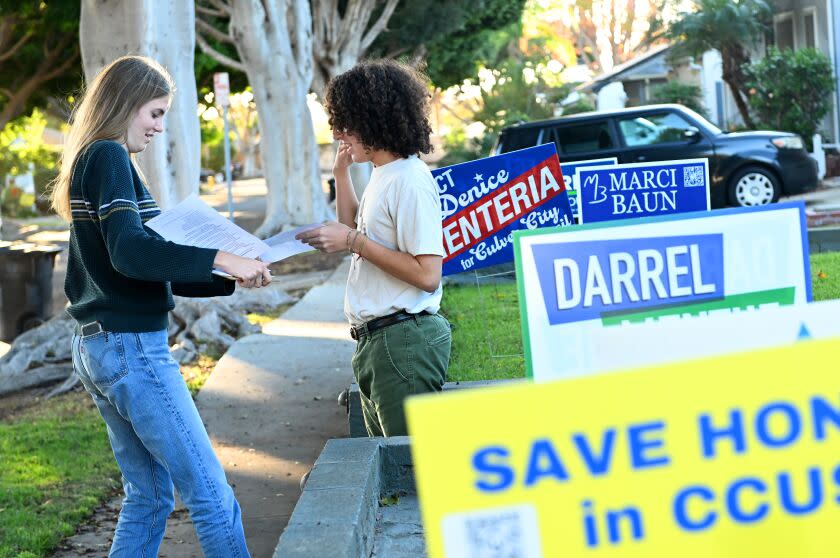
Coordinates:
(745,168)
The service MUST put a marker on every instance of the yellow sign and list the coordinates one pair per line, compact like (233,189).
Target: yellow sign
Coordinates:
(728,458)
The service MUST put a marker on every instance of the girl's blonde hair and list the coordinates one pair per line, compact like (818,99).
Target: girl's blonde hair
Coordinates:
(106,111)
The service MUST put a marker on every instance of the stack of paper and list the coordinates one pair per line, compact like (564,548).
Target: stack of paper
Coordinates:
(194,223)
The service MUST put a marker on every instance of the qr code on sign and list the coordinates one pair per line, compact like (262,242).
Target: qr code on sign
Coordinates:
(693,176)
(510,532)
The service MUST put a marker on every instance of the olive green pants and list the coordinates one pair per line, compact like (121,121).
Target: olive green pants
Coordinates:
(397,361)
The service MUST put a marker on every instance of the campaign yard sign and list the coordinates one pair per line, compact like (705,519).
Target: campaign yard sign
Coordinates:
(484,201)
(569,170)
(727,457)
(609,193)
(712,332)
(574,281)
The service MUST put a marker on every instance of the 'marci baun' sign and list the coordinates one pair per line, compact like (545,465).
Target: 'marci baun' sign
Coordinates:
(609,193)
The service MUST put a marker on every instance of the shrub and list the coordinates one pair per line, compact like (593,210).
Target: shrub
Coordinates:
(22,150)
(681,94)
(578,107)
(791,91)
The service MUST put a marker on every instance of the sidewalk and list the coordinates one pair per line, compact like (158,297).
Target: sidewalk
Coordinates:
(270,406)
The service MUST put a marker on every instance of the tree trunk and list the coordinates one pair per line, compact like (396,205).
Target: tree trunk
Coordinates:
(275,49)
(733,59)
(164,31)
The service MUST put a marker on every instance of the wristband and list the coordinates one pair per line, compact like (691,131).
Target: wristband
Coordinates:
(347,239)
(362,247)
(353,242)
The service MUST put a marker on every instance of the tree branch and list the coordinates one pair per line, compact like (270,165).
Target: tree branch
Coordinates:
(220,5)
(44,73)
(203,26)
(347,24)
(218,56)
(199,9)
(22,41)
(379,26)
(66,65)
(395,53)
(302,41)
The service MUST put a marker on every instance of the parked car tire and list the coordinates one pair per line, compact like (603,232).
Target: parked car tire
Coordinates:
(753,186)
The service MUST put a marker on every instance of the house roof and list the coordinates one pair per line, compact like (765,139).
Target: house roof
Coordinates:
(652,63)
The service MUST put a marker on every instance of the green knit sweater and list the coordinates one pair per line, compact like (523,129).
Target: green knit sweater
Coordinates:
(118,270)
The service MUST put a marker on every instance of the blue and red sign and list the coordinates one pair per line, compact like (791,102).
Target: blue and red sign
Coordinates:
(484,201)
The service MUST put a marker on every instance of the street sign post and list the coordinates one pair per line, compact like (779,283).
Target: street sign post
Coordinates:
(221,92)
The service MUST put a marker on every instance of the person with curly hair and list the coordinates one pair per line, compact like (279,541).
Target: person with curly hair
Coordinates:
(378,110)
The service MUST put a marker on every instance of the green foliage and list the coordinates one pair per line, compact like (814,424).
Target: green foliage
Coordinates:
(462,36)
(48,57)
(56,466)
(718,24)
(460,148)
(791,90)
(515,92)
(726,26)
(213,144)
(578,107)
(22,145)
(681,94)
(518,95)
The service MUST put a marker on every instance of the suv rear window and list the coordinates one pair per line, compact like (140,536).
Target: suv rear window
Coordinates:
(583,138)
(519,138)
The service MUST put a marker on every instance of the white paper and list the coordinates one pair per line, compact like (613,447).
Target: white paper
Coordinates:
(194,223)
(284,245)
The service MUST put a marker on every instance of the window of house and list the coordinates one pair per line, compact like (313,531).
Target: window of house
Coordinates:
(784,33)
(583,138)
(654,129)
(809,23)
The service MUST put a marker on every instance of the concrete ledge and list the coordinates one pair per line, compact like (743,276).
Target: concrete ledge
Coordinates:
(356,421)
(824,240)
(336,513)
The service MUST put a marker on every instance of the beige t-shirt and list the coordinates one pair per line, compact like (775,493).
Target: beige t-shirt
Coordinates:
(400,209)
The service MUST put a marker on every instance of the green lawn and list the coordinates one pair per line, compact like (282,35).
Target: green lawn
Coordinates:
(55,468)
(487,337)
(825,274)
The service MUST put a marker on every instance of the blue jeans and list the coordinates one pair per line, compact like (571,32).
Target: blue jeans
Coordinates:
(159,441)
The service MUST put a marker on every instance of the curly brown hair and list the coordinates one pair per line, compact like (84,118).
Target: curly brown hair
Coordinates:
(383,103)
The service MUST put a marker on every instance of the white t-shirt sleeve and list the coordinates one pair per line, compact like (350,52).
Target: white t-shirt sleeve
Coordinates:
(417,220)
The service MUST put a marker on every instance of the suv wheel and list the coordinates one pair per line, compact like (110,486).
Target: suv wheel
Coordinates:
(753,186)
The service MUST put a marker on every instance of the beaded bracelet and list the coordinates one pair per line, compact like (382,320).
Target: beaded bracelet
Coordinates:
(353,241)
(362,247)
(347,239)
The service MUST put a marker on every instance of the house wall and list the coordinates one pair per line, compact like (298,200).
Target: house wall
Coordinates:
(827,14)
